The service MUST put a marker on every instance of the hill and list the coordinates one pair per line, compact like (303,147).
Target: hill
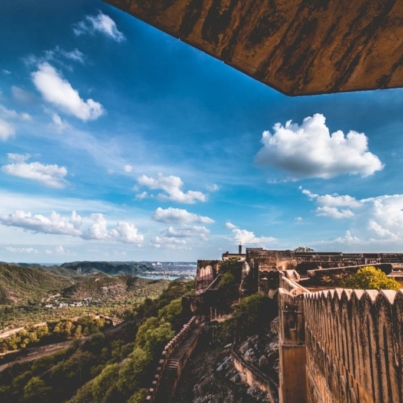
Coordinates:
(110,268)
(19,285)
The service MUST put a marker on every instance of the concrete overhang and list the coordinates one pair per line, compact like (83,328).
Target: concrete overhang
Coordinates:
(298,47)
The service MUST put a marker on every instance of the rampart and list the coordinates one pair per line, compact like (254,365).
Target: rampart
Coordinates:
(354,346)
(178,350)
(207,272)
(254,376)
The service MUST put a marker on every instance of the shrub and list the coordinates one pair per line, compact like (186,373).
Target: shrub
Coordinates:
(370,278)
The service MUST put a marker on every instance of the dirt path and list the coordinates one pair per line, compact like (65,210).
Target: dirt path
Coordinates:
(33,353)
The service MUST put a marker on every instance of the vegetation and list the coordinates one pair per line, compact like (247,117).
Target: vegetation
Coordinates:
(52,332)
(24,285)
(370,278)
(71,297)
(231,274)
(303,249)
(114,366)
(252,316)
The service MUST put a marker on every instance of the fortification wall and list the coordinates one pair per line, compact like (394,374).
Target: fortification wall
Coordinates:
(254,377)
(354,346)
(207,271)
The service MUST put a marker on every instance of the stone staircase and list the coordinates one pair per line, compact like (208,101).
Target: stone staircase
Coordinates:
(175,356)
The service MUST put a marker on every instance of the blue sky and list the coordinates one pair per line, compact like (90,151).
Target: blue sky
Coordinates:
(118,142)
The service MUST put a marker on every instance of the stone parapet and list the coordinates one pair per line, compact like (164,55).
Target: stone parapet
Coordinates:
(354,344)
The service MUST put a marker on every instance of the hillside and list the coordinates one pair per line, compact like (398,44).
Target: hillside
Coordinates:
(19,285)
(111,268)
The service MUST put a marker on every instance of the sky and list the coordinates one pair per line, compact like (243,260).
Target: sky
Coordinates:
(119,142)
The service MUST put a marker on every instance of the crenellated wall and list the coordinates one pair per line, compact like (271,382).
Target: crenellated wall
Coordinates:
(207,272)
(354,346)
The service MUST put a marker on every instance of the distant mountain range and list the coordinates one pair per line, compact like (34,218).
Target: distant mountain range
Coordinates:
(110,268)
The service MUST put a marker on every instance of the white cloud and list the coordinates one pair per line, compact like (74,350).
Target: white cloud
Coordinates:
(74,55)
(22,250)
(55,224)
(49,175)
(244,237)
(59,92)
(142,195)
(172,186)
(333,200)
(169,243)
(127,233)
(213,187)
(57,250)
(98,229)
(6,72)
(95,226)
(330,205)
(99,23)
(333,212)
(58,122)
(6,130)
(12,114)
(376,219)
(21,95)
(128,168)
(310,151)
(187,231)
(179,216)
(299,219)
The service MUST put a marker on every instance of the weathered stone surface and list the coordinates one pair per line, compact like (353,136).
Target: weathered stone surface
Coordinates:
(296,46)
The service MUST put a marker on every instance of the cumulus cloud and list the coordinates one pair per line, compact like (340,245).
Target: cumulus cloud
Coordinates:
(179,216)
(6,130)
(55,224)
(171,185)
(99,23)
(57,250)
(95,227)
(245,237)
(22,250)
(187,231)
(128,168)
(126,233)
(331,205)
(49,175)
(59,92)
(333,212)
(229,225)
(311,151)
(169,243)
(376,219)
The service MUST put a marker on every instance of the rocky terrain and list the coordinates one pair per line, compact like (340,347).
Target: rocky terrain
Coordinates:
(210,375)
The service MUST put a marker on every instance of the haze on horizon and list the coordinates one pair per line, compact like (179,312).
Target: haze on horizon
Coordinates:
(119,142)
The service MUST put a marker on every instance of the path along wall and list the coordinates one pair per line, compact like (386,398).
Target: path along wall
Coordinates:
(354,346)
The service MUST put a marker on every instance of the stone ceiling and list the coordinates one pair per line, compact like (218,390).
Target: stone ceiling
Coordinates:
(298,47)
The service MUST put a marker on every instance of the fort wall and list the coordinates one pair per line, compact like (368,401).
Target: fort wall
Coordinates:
(207,272)
(354,347)
(254,376)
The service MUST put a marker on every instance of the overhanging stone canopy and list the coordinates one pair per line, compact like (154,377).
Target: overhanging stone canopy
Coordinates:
(299,47)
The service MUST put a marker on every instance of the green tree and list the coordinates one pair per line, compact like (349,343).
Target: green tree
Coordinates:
(370,278)
(134,371)
(105,381)
(36,391)
(303,249)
